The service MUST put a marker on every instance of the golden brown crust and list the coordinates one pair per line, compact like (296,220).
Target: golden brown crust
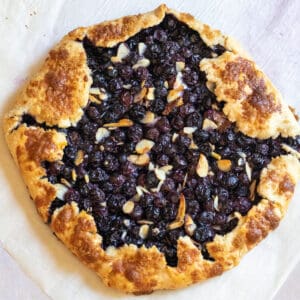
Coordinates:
(56,96)
(251,99)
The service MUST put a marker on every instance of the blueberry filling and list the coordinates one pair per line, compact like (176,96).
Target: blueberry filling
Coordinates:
(153,157)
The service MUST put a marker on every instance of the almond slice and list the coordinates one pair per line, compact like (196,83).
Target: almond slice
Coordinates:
(121,123)
(160,174)
(189,225)
(101,134)
(150,93)
(144,230)
(60,190)
(179,221)
(79,158)
(148,118)
(141,95)
(224,165)
(289,149)
(95,91)
(141,48)
(216,155)
(128,207)
(145,222)
(189,130)
(166,168)
(123,51)
(140,160)
(144,62)
(144,146)
(216,203)
(248,170)
(209,124)
(202,166)
(180,66)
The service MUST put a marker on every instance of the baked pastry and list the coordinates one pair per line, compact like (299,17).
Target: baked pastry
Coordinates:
(156,149)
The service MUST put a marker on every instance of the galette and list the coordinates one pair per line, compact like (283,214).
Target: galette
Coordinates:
(156,149)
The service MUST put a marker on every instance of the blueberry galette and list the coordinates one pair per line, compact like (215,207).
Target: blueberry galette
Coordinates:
(156,149)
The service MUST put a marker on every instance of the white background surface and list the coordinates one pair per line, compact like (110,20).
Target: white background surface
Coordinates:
(269,30)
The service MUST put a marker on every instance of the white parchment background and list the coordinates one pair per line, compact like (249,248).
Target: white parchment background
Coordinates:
(269,30)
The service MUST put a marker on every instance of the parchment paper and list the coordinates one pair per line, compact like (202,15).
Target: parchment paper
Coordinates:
(269,30)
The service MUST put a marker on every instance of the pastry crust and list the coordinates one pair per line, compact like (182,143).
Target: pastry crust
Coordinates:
(56,96)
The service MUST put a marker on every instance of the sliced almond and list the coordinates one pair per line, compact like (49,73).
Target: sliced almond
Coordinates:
(141,48)
(127,86)
(189,130)
(224,165)
(179,84)
(180,66)
(86,178)
(123,51)
(141,95)
(79,158)
(170,106)
(144,146)
(101,134)
(148,118)
(144,62)
(252,190)
(60,190)
(128,207)
(95,91)
(189,225)
(193,145)
(126,222)
(140,160)
(175,94)
(160,174)
(248,170)
(216,155)
(123,236)
(202,166)
(167,168)
(74,175)
(209,124)
(174,136)
(144,230)
(151,166)
(179,221)
(66,182)
(121,123)
(147,222)
(140,190)
(289,149)
(155,231)
(150,93)
(216,203)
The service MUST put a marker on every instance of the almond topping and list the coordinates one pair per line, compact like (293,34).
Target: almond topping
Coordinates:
(74,175)
(60,190)
(141,48)
(144,62)
(143,233)
(122,52)
(202,166)
(150,94)
(179,221)
(95,91)
(94,99)
(209,124)
(121,123)
(167,168)
(189,130)
(174,136)
(79,158)
(101,134)
(144,146)
(148,118)
(65,182)
(139,160)
(248,171)
(224,165)
(189,225)
(128,207)
(141,95)
(216,155)
(145,222)
(289,149)
(180,66)
(86,178)
(216,203)
(160,174)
